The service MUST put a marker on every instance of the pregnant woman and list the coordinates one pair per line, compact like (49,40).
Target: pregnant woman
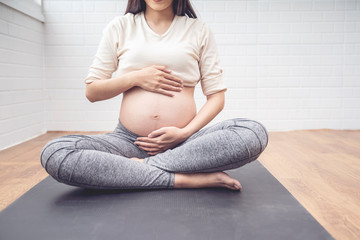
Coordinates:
(160,51)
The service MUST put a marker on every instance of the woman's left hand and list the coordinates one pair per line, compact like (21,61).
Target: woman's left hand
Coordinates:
(161,140)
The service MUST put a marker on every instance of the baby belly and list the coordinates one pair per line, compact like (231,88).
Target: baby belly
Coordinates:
(143,112)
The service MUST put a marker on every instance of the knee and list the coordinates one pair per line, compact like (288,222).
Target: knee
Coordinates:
(261,132)
(256,132)
(54,152)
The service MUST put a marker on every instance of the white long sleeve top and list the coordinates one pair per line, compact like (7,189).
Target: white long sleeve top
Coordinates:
(187,48)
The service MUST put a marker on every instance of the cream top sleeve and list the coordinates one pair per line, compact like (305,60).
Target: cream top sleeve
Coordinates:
(211,73)
(105,61)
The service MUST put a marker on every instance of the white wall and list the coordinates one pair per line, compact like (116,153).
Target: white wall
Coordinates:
(22,106)
(289,64)
(72,33)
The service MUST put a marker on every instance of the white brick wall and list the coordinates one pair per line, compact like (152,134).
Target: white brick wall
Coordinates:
(22,105)
(289,64)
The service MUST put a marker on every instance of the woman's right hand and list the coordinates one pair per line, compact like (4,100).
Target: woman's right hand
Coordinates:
(158,79)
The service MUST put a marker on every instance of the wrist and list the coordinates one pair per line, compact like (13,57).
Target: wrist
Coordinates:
(133,78)
(187,132)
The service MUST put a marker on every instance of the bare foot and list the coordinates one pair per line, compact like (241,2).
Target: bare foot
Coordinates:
(137,159)
(200,180)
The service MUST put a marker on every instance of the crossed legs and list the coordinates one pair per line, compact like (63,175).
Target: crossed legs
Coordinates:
(107,161)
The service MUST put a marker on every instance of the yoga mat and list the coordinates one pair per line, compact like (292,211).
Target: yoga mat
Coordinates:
(263,210)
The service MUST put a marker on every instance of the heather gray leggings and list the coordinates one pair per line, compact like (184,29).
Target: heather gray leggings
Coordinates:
(103,160)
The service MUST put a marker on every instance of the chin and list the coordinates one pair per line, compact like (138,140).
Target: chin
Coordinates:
(159,5)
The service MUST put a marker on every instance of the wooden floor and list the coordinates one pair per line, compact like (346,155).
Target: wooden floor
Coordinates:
(321,168)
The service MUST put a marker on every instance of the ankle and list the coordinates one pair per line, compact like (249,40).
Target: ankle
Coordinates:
(180,180)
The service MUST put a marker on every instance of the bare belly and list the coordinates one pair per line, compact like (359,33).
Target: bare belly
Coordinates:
(143,112)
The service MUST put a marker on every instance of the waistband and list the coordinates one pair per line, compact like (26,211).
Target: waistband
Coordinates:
(121,128)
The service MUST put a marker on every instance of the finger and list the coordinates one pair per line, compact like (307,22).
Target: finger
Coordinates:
(146,144)
(157,133)
(162,68)
(154,140)
(170,82)
(170,88)
(153,153)
(146,139)
(170,85)
(164,92)
(150,149)
(173,78)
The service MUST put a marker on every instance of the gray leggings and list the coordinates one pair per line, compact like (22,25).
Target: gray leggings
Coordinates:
(103,160)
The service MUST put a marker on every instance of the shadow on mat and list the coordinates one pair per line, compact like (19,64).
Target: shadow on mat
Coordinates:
(153,198)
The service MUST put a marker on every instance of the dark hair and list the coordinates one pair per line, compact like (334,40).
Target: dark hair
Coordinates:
(181,7)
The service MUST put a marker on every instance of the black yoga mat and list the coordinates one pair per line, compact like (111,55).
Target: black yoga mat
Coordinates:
(263,210)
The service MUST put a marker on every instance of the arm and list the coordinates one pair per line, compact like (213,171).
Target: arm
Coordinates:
(154,78)
(108,88)
(213,106)
(211,82)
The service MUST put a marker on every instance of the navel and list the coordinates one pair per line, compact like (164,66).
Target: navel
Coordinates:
(156,117)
